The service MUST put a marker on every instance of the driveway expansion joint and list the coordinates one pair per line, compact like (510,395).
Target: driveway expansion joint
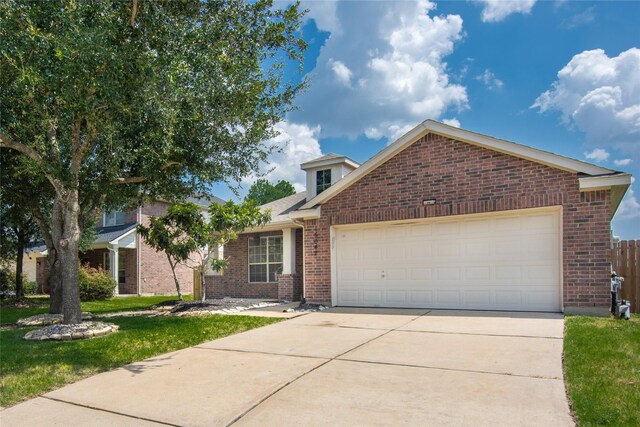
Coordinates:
(319,366)
(407,365)
(481,334)
(109,411)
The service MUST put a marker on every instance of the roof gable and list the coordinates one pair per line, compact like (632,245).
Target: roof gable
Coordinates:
(431,126)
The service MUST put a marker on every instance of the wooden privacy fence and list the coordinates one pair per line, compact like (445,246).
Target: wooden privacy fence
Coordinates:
(625,259)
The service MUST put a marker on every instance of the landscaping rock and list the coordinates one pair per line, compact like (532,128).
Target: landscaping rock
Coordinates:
(307,308)
(61,332)
(46,319)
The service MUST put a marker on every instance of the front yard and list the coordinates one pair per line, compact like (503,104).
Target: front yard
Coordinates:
(602,370)
(29,368)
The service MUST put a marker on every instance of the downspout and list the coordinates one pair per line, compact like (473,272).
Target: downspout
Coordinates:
(303,300)
(138,249)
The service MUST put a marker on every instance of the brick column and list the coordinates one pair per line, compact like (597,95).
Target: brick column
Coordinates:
(214,286)
(289,287)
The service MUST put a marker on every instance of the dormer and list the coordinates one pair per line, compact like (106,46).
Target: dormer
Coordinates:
(325,171)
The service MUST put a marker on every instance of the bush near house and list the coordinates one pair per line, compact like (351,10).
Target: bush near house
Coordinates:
(8,283)
(95,284)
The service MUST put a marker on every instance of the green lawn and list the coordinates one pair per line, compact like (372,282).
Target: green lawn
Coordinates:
(10,314)
(29,368)
(602,370)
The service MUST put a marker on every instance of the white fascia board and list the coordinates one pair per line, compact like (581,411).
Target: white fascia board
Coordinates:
(329,162)
(431,126)
(306,213)
(594,183)
(273,226)
(514,149)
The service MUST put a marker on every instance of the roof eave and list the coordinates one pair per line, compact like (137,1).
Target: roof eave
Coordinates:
(488,142)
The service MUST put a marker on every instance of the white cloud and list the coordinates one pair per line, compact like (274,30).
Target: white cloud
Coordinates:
(297,143)
(497,10)
(600,96)
(391,56)
(490,80)
(599,155)
(585,17)
(323,12)
(342,72)
(452,122)
(622,162)
(629,207)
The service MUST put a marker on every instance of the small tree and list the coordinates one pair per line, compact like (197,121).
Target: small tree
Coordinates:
(176,234)
(190,239)
(262,191)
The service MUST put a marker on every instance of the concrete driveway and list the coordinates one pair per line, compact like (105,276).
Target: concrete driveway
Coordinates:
(354,367)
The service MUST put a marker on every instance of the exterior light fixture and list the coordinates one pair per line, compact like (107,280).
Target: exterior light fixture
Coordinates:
(429,202)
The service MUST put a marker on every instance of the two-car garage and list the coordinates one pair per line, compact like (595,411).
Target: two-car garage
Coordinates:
(497,261)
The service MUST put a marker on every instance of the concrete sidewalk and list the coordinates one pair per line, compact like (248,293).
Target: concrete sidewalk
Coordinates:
(340,367)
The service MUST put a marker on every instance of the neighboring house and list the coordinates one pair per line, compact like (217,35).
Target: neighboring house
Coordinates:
(140,269)
(441,218)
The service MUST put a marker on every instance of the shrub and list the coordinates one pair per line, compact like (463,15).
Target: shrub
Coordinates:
(95,284)
(7,279)
(30,287)
(8,282)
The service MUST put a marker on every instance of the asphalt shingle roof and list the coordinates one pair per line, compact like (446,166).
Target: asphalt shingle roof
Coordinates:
(280,208)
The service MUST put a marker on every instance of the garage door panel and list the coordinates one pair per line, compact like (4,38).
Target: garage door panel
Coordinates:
(477,297)
(493,262)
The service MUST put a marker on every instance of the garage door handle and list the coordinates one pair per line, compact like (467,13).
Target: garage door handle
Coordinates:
(382,274)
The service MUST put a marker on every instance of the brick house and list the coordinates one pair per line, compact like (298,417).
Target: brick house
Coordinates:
(141,270)
(441,218)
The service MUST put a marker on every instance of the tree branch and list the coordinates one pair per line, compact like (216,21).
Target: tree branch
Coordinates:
(81,149)
(134,11)
(140,179)
(6,142)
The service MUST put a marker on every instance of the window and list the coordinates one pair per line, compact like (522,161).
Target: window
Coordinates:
(323,180)
(113,218)
(265,258)
(121,271)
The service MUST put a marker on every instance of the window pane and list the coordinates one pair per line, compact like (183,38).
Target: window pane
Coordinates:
(113,218)
(258,273)
(119,217)
(257,250)
(323,180)
(275,249)
(273,270)
(121,270)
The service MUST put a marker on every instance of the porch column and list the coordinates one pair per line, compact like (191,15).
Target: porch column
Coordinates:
(289,251)
(113,253)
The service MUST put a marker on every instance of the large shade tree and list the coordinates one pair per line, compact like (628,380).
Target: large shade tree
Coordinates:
(262,191)
(116,102)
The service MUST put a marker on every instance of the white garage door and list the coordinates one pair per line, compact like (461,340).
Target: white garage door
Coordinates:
(492,262)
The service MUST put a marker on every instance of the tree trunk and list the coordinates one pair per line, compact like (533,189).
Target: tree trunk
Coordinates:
(19,258)
(55,284)
(53,233)
(66,245)
(202,271)
(175,277)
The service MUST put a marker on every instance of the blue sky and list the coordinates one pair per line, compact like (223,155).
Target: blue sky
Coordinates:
(562,76)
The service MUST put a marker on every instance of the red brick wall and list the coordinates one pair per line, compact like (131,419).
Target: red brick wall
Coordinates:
(466,179)
(155,271)
(236,277)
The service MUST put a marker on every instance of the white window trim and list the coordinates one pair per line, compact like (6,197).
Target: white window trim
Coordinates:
(267,263)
